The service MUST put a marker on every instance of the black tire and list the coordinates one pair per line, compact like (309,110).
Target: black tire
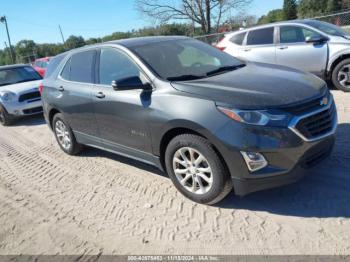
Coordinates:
(74,148)
(335,73)
(5,118)
(221,184)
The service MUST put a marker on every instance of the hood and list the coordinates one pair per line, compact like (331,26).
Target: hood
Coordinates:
(256,86)
(21,87)
(340,40)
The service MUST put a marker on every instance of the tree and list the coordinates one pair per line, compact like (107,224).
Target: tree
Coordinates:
(271,17)
(290,10)
(205,13)
(334,6)
(25,50)
(312,8)
(75,41)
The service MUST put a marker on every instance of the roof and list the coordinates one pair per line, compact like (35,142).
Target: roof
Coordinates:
(137,41)
(47,58)
(12,66)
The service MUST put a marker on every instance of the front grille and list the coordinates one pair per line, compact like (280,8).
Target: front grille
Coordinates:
(29,96)
(318,124)
(34,110)
(314,158)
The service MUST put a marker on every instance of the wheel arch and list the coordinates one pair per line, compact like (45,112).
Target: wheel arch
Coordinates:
(335,61)
(52,113)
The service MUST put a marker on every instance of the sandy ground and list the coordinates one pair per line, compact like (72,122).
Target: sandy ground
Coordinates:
(51,203)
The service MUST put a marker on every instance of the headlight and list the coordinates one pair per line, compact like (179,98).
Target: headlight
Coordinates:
(255,117)
(7,96)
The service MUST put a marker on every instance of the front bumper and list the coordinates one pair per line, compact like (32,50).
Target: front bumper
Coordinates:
(315,153)
(23,108)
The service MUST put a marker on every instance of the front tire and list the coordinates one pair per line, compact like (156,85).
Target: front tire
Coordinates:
(196,169)
(5,118)
(64,136)
(341,76)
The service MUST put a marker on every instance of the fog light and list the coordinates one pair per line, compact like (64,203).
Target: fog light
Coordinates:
(16,112)
(255,161)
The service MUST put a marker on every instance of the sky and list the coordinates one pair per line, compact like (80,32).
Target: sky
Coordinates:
(38,20)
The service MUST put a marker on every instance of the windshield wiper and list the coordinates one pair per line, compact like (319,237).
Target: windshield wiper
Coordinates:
(185,77)
(224,69)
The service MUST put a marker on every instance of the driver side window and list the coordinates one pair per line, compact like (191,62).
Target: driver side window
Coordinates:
(115,65)
(295,34)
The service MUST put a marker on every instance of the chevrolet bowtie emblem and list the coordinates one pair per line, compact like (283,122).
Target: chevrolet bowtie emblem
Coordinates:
(324,101)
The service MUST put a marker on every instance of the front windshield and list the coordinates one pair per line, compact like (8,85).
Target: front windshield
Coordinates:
(185,59)
(327,28)
(12,76)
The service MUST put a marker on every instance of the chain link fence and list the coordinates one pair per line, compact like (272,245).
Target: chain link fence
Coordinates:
(341,19)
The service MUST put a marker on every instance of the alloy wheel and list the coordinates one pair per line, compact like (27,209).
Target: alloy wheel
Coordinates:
(63,135)
(192,170)
(344,76)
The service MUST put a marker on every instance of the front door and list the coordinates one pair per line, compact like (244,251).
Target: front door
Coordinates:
(121,114)
(293,51)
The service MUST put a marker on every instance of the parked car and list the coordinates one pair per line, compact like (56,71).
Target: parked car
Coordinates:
(210,120)
(19,92)
(40,65)
(309,45)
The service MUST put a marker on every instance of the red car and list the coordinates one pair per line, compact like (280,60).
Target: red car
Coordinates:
(40,65)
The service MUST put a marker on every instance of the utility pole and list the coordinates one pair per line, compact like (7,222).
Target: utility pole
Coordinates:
(8,50)
(4,21)
(64,42)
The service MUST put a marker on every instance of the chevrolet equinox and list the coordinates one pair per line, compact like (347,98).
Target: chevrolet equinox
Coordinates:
(211,121)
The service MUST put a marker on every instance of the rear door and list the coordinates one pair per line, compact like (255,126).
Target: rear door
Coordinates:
(74,92)
(293,50)
(260,46)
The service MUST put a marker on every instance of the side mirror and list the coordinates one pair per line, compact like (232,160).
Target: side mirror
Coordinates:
(316,39)
(129,83)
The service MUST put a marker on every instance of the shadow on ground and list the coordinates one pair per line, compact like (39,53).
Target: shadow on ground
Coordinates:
(34,120)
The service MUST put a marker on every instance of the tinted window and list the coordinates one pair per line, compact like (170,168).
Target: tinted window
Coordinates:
(115,65)
(261,36)
(81,67)
(54,62)
(18,75)
(65,74)
(238,39)
(295,34)
(183,59)
(327,28)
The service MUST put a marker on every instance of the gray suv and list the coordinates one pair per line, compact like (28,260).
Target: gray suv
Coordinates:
(211,121)
(309,45)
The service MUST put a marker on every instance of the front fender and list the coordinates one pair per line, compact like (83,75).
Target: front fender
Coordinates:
(334,57)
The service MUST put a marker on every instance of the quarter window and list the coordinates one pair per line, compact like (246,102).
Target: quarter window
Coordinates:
(261,36)
(115,65)
(238,39)
(65,74)
(295,34)
(81,67)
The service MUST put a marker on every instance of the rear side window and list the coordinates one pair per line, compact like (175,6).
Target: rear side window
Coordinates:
(51,67)
(261,36)
(238,39)
(81,67)
(65,74)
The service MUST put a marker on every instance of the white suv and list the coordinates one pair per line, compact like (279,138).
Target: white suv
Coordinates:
(309,45)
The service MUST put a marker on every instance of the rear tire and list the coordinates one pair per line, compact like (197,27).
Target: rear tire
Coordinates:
(5,118)
(341,75)
(64,136)
(197,170)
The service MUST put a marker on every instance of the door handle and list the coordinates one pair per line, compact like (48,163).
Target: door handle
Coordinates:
(100,95)
(247,50)
(61,89)
(283,47)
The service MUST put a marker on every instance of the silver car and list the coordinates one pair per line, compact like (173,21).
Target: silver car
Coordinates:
(19,92)
(309,45)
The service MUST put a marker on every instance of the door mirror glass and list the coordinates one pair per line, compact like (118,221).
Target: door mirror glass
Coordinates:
(129,83)
(316,39)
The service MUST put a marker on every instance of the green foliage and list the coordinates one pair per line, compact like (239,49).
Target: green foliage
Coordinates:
(290,10)
(334,6)
(27,50)
(312,8)
(272,16)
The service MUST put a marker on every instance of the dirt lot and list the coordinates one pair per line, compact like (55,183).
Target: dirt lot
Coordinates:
(51,203)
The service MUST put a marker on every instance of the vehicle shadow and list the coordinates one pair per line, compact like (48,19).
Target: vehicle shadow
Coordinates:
(33,120)
(94,152)
(323,193)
